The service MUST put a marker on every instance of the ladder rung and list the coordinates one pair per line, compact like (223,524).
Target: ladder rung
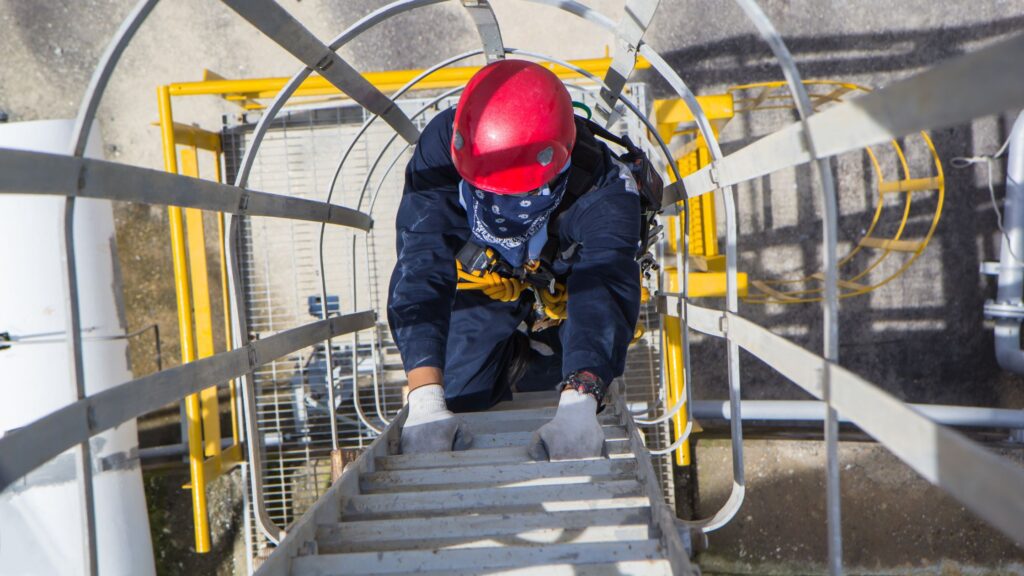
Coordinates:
(527,423)
(627,568)
(502,439)
(480,457)
(596,496)
(909,185)
(537,473)
(524,414)
(527,528)
(897,245)
(443,560)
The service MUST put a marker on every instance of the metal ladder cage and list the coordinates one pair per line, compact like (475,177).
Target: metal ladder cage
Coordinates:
(291,393)
(987,81)
(908,187)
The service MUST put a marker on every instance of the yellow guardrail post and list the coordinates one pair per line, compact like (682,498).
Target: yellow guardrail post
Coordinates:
(675,372)
(201,306)
(193,409)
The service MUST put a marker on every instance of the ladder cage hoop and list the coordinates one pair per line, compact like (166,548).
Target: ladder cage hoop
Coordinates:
(769,98)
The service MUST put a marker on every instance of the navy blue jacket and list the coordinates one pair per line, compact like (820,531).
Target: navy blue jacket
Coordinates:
(603,276)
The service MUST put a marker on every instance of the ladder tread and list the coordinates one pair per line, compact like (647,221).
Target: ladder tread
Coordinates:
(567,472)
(493,558)
(409,533)
(592,496)
(535,529)
(518,420)
(478,457)
(626,568)
(522,438)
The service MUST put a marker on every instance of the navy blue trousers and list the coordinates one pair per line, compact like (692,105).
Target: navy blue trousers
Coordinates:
(483,341)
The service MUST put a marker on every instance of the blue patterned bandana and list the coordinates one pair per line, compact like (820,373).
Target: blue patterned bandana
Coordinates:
(507,222)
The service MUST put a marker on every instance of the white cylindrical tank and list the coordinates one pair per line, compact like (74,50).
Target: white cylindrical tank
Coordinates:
(40,516)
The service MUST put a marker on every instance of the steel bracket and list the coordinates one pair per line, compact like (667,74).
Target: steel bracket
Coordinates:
(1004,310)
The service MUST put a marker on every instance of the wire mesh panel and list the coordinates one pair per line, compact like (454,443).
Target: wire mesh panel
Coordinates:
(301,156)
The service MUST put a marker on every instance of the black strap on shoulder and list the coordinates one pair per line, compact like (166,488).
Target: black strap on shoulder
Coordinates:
(586,162)
(598,130)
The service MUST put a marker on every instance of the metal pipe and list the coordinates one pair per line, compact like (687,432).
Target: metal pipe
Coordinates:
(1011,269)
(814,411)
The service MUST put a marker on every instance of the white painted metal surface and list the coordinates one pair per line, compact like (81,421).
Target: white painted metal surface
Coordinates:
(40,529)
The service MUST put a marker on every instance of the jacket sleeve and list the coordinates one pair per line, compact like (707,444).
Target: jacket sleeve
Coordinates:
(431,227)
(604,285)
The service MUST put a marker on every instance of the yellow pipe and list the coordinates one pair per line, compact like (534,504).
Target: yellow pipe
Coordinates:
(188,352)
(384,81)
(672,341)
(202,312)
(676,390)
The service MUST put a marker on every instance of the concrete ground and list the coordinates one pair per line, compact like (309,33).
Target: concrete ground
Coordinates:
(921,337)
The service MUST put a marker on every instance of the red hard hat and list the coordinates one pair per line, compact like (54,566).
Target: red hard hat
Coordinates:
(514,127)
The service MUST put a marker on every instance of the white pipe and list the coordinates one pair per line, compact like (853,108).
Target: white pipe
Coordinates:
(1011,270)
(40,532)
(814,411)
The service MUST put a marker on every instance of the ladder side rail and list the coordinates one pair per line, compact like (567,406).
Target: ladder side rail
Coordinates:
(830,304)
(637,16)
(663,517)
(487,27)
(301,540)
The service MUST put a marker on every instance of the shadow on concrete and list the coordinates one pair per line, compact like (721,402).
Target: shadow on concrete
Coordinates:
(921,337)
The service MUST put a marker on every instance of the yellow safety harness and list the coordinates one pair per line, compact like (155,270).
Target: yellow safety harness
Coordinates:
(505,289)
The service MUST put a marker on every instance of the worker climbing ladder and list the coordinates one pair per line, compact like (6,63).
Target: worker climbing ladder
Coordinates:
(623,523)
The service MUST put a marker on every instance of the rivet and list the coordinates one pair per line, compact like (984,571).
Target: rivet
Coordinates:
(545,156)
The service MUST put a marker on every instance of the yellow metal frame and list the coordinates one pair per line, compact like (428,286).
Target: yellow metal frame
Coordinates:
(206,459)
(674,119)
(248,93)
(775,96)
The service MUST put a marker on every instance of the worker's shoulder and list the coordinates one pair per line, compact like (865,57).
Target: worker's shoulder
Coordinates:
(439,129)
(608,207)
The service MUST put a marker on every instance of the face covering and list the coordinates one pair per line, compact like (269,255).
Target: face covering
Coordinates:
(507,222)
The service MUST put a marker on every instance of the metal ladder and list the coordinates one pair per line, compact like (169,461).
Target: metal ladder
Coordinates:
(492,509)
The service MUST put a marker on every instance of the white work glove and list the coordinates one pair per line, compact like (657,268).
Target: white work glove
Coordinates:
(573,433)
(430,425)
